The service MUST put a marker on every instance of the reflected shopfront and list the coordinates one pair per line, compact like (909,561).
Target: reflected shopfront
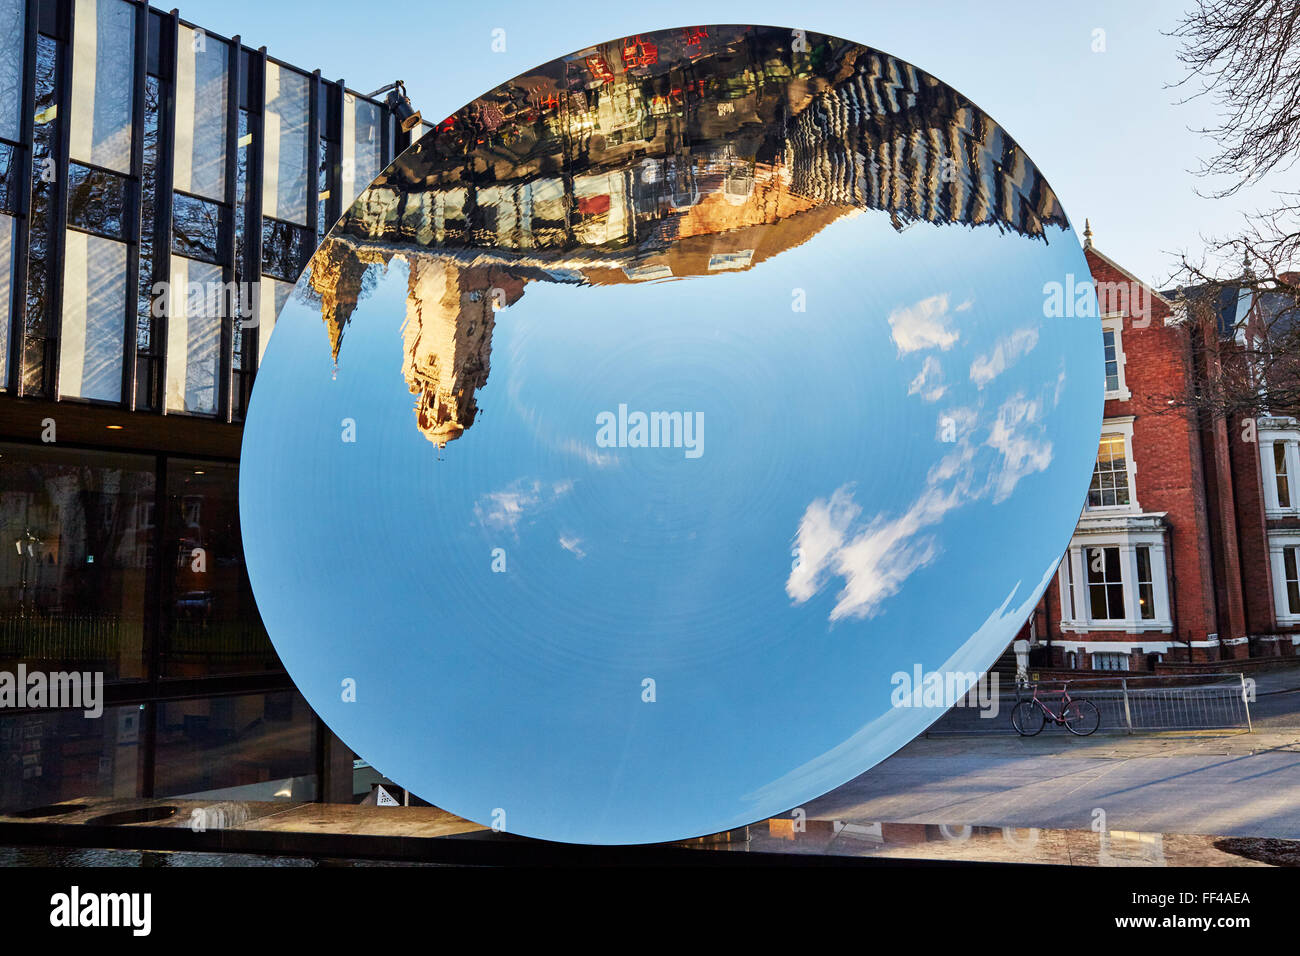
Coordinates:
(78,544)
(130,567)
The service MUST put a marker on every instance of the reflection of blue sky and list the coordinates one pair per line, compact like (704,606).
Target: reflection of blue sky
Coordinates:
(522,690)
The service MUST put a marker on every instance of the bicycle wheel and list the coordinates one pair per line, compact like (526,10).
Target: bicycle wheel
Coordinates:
(1028,718)
(1081,716)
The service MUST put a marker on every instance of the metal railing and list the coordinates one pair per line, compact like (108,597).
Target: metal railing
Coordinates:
(63,637)
(1127,705)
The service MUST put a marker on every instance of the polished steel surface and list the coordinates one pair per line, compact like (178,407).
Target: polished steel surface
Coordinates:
(639,425)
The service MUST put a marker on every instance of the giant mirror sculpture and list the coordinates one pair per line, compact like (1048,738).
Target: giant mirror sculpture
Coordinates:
(636,431)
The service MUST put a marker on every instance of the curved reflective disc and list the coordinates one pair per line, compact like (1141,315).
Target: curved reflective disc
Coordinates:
(637,437)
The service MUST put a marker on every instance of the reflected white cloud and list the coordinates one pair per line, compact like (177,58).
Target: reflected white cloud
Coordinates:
(924,325)
(1019,436)
(892,730)
(875,557)
(504,510)
(587,454)
(929,381)
(573,545)
(1005,353)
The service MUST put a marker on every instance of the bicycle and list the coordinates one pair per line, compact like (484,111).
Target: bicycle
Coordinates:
(1078,714)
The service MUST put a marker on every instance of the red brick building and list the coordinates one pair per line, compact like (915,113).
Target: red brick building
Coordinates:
(1188,547)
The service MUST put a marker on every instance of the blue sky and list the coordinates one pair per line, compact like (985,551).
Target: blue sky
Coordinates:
(1101,126)
(478,690)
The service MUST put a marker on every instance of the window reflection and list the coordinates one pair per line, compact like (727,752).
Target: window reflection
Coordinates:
(102,63)
(211,622)
(285,250)
(1109,486)
(94,317)
(147,358)
(251,747)
(64,755)
(8,236)
(37,343)
(362,146)
(1105,585)
(194,311)
(288,156)
(97,201)
(271,297)
(202,91)
(242,372)
(75,548)
(197,228)
(9,201)
(11,67)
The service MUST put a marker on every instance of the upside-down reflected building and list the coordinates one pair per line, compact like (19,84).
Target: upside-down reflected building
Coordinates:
(588,173)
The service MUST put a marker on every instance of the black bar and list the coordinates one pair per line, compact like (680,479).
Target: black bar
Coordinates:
(59,227)
(389,125)
(253,216)
(154,587)
(321,755)
(166,177)
(230,267)
(129,361)
(149,747)
(22,245)
(335,207)
(313,177)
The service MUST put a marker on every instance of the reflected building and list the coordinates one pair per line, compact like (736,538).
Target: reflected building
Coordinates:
(671,155)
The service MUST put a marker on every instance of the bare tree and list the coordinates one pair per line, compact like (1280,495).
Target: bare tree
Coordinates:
(1241,295)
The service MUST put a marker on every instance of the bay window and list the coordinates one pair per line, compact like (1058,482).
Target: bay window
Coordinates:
(1114,576)
(1279,460)
(1284,554)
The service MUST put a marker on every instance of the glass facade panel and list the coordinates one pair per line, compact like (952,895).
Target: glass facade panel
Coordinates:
(64,755)
(94,318)
(9,180)
(97,201)
(197,227)
(362,146)
(130,564)
(103,62)
(271,297)
(77,532)
(288,153)
(285,249)
(8,236)
(202,95)
(149,304)
(211,624)
(12,19)
(251,747)
(195,305)
(37,342)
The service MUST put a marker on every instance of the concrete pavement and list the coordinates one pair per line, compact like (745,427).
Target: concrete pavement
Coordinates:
(1228,783)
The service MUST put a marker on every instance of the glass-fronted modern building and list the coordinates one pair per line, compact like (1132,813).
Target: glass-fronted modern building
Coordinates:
(161,188)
